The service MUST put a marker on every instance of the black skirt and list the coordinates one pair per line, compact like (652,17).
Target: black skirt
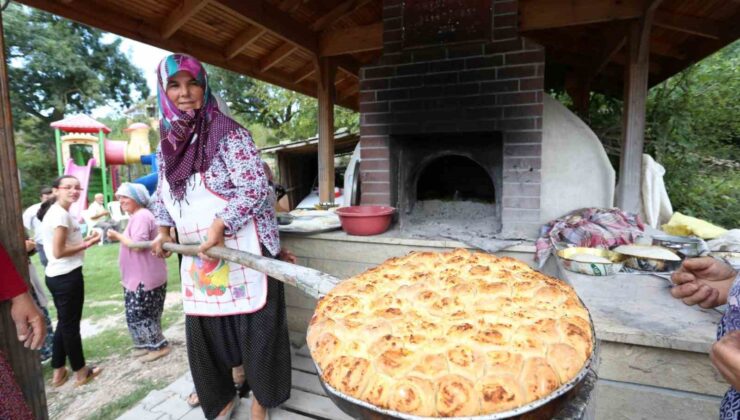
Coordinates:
(259,341)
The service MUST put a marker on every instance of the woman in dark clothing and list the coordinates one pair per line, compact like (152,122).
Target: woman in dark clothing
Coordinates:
(213,189)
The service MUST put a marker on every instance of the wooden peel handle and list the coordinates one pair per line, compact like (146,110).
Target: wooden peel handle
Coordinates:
(312,282)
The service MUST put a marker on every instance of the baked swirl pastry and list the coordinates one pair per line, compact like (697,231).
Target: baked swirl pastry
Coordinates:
(450,334)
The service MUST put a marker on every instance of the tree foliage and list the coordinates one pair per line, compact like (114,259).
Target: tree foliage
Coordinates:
(693,130)
(58,67)
(273,114)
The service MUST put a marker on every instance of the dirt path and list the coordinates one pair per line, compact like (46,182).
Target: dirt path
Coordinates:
(121,376)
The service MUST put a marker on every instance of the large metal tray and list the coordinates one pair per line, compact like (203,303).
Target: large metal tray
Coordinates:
(360,409)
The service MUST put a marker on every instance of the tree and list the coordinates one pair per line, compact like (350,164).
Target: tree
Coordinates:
(56,66)
(272,113)
(692,129)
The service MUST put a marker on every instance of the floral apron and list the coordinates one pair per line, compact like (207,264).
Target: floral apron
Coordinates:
(216,288)
(730,408)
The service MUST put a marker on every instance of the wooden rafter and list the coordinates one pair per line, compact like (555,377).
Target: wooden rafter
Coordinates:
(290,6)
(263,14)
(112,21)
(186,10)
(279,54)
(337,13)
(305,72)
(688,24)
(546,14)
(615,41)
(351,40)
(243,40)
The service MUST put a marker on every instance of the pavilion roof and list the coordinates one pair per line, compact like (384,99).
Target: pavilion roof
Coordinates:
(278,40)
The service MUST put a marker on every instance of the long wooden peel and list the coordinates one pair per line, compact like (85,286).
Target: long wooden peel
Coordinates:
(312,282)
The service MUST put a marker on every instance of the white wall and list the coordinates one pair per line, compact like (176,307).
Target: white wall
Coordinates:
(576,172)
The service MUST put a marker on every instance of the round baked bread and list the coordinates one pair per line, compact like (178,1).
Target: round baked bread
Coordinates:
(450,334)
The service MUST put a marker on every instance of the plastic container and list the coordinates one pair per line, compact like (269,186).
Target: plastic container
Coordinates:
(365,220)
(570,258)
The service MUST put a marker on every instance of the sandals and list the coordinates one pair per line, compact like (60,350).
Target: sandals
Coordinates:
(62,381)
(227,414)
(92,372)
(193,400)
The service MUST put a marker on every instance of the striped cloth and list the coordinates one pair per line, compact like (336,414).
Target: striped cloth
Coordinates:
(589,227)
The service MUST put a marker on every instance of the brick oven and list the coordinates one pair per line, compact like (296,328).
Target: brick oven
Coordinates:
(454,120)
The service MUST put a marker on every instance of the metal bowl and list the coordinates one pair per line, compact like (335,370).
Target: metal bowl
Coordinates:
(685,246)
(591,268)
(651,264)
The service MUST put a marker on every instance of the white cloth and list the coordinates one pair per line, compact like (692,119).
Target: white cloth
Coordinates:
(95,209)
(214,288)
(36,283)
(32,223)
(729,242)
(656,206)
(55,217)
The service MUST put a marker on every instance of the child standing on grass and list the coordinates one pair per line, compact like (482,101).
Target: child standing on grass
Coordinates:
(65,251)
(143,276)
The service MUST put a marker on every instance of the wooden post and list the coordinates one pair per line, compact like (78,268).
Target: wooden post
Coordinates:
(633,118)
(579,88)
(327,70)
(25,363)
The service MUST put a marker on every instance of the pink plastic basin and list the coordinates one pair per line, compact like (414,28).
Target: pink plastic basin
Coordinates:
(365,220)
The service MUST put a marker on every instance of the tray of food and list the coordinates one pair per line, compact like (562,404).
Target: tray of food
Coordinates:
(450,335)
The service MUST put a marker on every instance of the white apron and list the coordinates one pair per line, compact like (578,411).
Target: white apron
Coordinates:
(214,288)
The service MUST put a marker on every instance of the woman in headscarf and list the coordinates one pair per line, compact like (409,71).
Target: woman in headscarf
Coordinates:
(213,189)
(143,275)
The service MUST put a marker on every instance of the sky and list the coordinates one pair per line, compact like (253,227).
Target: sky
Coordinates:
(143,56)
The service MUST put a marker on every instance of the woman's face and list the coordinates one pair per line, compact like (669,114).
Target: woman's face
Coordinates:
(128,205)
(184,91)
(68,192)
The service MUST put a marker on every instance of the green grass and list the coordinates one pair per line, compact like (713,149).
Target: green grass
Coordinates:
(103,281)
(121,405)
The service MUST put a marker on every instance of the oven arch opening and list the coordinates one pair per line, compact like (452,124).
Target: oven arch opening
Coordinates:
(455,178)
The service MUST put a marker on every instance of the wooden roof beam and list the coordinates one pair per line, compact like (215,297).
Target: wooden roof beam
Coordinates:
(304,72)
(264,15)
(339,12)
(688,24)
(539,14)
(351,40)
(243,40)
(276,56)
(180,16)
(290,6)
(615,41)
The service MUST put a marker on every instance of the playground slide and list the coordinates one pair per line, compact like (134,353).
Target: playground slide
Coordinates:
(82,173)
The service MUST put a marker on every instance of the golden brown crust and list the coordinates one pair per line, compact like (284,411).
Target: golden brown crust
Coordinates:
(450,334)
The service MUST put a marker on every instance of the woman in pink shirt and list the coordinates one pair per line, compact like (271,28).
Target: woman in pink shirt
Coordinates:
(143,276)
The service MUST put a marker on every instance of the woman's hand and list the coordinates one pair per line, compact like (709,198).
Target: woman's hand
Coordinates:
(30,245)
(29,323)
(286,256)
(214,237)
(92,239)
(162,238)
(113,235)
(725,356)
(703,281)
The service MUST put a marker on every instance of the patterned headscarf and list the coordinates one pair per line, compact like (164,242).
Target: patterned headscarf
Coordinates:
(189,140)
(136,192)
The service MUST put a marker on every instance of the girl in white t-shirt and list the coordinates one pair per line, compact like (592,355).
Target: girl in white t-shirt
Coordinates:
(65,250)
